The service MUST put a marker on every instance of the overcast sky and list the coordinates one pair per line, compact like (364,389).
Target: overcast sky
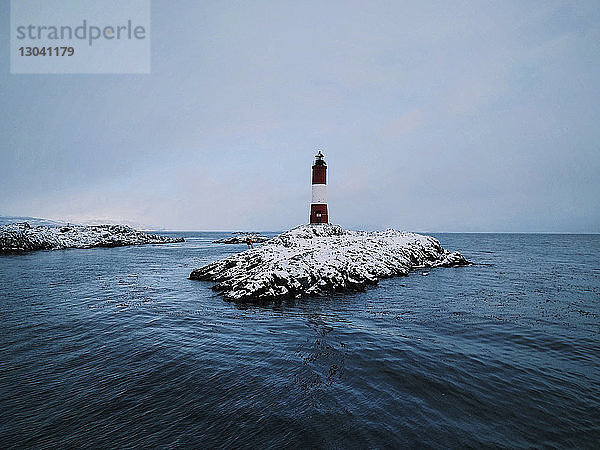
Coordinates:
(445,116)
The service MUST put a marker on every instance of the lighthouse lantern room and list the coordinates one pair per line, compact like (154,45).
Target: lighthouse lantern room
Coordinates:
(318,206)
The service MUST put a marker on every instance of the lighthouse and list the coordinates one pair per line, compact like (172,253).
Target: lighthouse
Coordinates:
(318,206)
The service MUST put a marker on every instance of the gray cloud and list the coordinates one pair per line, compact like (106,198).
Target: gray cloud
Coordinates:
(453,116)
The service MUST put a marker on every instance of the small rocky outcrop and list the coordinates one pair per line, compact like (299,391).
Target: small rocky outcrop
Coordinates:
(242,238)
(21,237)
(316,259)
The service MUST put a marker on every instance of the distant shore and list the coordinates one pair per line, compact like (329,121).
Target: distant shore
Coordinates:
(22,237)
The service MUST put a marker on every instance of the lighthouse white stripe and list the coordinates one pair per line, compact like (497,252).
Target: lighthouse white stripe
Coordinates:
(319,193)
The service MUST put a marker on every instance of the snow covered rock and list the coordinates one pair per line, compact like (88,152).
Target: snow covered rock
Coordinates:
(20,237)
(240,238)
(314,259)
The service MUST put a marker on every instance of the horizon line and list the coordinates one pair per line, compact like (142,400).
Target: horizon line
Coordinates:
(383,229)
(142,227)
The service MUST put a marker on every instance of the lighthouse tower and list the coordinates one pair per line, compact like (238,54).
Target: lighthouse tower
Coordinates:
(318,206)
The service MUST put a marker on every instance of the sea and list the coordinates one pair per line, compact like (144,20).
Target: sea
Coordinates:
(116,347)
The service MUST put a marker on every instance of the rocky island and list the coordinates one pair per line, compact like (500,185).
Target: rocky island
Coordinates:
(242,238)
(22,237)
(320,258)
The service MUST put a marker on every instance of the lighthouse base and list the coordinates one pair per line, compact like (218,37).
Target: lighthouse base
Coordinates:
(318,213)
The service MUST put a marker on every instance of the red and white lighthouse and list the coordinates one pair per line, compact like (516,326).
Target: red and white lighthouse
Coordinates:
(318,206)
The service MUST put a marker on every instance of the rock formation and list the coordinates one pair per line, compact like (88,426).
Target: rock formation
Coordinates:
(240,238)
(21,237)
(320,258)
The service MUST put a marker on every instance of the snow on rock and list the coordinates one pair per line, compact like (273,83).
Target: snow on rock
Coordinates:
(19,237)
(314,259)
(240,238)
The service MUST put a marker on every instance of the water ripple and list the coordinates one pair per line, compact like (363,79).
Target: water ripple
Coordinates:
(116,348)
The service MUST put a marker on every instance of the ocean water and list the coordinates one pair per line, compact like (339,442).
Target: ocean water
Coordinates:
(115,347)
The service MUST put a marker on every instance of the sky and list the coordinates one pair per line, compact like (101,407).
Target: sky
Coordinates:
(433,116)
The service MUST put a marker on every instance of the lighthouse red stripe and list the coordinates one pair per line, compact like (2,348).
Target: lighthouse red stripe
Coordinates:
(319,174)
(318,214)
